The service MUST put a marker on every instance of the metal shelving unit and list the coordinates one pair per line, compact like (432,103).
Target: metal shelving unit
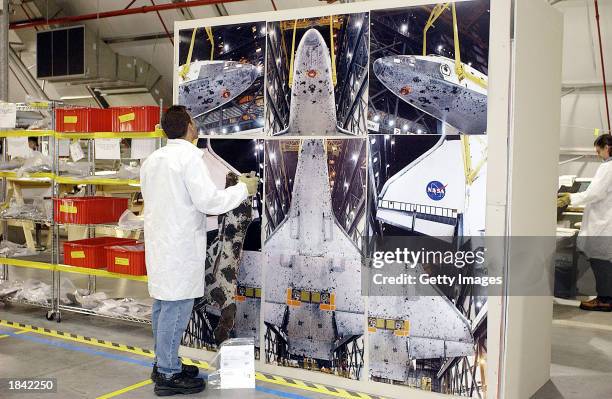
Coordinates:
(55,179)
(31,111)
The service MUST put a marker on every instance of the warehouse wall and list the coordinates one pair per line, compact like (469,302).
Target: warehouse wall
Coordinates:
(583,110)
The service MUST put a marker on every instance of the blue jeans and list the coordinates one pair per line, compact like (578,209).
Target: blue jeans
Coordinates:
(169,320)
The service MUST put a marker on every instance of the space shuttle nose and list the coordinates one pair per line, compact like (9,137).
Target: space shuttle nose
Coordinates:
(313,38)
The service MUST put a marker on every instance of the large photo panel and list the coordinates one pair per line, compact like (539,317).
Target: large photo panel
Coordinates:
(220,77)
(314,220)
(429,189)
(424,79)
(317,76)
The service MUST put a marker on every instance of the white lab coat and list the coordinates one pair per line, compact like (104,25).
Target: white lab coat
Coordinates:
(178,194)
(595,237)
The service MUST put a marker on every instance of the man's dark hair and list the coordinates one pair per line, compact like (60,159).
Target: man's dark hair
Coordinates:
(603,141)
(175,122)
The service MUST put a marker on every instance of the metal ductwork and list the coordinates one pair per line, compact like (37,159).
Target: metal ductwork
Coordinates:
(103,72)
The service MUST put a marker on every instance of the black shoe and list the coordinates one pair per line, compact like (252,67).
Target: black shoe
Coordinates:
(189,371)
(178,384)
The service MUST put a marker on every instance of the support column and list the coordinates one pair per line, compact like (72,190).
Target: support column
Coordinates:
(4,47)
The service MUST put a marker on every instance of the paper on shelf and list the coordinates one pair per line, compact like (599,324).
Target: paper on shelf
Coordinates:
(18,146)
(108,148)
(8,115)
(76,152)
(142,148)
(64,148)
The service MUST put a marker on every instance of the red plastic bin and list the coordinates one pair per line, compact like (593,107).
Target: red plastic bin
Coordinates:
(91,252)
(88,210)
(135,119)
(87,120)
(126,259)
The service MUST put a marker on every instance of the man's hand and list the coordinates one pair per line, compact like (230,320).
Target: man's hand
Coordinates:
(563,199)
(251,182)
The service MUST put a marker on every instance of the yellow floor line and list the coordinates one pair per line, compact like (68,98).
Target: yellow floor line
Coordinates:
(18,332)
(126,389)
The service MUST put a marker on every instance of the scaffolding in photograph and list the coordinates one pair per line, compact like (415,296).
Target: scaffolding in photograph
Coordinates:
(277,73)
(352,73)
(466,375)
(350,55)
(347,173)
(280,155)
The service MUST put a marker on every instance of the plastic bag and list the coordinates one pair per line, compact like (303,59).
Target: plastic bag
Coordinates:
(66,287)
(234,364)
(130,221)
(13,164)
(35,291)
(8,288)
(39,210)
(125,307)
(10,249)
(129,172)
(36,163)
(75,169)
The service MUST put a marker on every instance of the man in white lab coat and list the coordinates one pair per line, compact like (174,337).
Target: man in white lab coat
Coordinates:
(595,237)
(178,194)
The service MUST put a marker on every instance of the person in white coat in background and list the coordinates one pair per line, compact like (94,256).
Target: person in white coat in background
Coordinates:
(178,193)
(595,237)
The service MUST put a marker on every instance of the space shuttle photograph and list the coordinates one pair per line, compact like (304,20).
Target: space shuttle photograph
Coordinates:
(315,200)
(220,77)
(428,69)
(317,76)
(231,304)
(432,186)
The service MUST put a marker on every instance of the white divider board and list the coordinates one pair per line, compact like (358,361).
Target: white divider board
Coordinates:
(509,376)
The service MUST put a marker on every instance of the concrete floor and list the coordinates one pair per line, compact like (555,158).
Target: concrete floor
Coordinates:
(581,366)
(85,371)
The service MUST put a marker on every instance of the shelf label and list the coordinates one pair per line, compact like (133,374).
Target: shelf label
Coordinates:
(77,254)
(122,261)
(127,117)
(68,209)
(71,119)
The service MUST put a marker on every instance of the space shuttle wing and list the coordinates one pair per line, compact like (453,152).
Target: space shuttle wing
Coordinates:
(428,194)
(431,325)
(431,84)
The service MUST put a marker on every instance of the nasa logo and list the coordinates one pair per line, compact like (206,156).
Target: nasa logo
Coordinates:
(436,190)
